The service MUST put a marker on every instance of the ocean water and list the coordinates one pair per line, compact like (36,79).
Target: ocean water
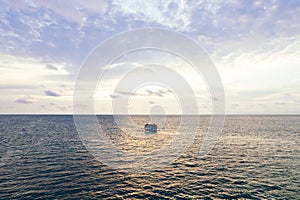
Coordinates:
(256,157)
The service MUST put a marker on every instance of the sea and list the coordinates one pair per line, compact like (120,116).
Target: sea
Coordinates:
(254,157)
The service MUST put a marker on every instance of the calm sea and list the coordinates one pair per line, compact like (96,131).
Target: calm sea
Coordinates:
(42,157)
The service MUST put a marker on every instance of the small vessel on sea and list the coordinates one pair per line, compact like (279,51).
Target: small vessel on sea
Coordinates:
(150,128)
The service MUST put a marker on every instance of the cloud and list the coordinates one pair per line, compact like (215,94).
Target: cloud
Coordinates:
(172,14)
(151,102)
(74,11)
(114,96)
(280,103)
(255,45)
(159,92)
(51,67)
(146,92)
(24,100)
(128,93)
(51,93)
(18,87)
(27,71)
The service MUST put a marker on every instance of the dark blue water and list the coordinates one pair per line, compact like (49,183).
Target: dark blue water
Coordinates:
(256,157)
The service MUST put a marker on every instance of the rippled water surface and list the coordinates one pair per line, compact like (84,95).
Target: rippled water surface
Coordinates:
(256,157)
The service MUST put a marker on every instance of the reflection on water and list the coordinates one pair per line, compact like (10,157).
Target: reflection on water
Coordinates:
(256,157)
(131,136)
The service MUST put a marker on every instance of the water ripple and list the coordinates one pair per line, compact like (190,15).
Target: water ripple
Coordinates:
(257,157)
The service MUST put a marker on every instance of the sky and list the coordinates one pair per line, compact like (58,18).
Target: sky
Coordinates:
(255,46)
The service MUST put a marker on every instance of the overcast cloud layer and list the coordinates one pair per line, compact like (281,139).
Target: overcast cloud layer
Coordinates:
(255,45)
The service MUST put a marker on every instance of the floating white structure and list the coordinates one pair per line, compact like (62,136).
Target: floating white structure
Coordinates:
(151,128)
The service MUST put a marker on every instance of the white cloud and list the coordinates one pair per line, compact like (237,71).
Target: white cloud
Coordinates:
(263,76)
(25,100)
(75,11)
(173,14)
(27,71)
(21,80)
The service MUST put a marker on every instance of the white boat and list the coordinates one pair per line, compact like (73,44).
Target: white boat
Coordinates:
(152,128)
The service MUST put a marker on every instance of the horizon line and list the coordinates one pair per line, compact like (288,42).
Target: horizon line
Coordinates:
(202,114)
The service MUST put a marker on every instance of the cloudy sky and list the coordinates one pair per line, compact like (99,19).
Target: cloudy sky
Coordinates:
(255,46)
